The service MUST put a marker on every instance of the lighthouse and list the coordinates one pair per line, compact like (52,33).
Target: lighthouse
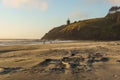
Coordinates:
(68,21)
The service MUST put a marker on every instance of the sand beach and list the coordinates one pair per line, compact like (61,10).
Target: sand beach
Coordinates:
(83,60)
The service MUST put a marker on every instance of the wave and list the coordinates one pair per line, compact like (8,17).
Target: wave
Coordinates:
(11,42)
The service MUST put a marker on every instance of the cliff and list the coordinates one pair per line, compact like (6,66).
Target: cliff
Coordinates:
(107,28)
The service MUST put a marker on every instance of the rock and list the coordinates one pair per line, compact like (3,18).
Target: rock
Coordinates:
(118,60)
(72,54)
(1,70)
(57,69)
(115,75)
(98,55)
(8,70)
(105,59)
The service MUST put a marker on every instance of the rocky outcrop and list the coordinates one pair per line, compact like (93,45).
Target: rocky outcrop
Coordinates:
(114,10)
(114,14)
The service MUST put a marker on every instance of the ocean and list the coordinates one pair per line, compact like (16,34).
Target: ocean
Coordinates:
(11,42)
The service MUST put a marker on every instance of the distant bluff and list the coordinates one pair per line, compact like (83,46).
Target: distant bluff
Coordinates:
(107,28)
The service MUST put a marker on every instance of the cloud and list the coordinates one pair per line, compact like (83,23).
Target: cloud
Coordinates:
(114,2)
(43,6)
(40,4)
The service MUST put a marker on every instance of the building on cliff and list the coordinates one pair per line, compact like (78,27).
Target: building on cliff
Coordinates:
(68,21)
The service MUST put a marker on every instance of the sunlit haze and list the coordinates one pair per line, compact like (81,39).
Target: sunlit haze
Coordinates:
(31,19)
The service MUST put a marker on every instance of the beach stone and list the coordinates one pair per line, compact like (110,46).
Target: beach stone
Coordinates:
(118,60)
(104,59)
(1,70)
(115,75)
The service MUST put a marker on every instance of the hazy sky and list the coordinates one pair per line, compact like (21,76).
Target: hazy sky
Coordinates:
(34,18)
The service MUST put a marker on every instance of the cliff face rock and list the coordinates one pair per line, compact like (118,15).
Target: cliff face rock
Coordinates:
(114,13)
(114,10)
(107,28)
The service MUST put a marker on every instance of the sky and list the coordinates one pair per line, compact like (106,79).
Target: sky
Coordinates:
(31,19)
